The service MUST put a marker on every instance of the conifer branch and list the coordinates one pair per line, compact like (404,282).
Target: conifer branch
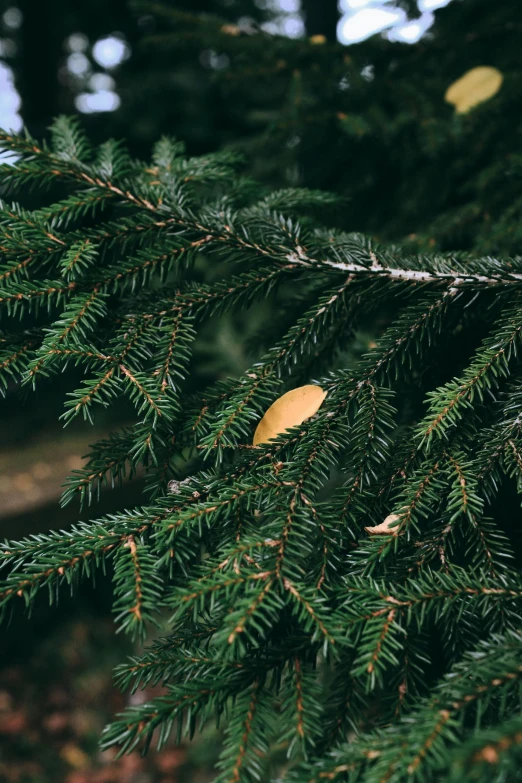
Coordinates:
(291,620)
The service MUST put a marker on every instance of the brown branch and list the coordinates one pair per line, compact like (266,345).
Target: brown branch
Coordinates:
(136,609)
(236,772)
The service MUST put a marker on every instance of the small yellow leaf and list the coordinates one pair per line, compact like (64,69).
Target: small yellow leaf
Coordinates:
(388,527)
(231,29)
(474,87)
(317,39)
(288,411)
(74,756)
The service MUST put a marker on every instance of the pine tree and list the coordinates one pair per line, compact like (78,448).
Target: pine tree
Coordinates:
(287,613)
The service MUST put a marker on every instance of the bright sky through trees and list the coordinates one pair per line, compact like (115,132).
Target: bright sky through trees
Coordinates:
(91,63)
(362,18)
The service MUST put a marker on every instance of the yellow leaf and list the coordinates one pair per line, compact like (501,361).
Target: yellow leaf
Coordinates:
(317,39)
(388,527)
(288,411)
(474,87)
(231,29)
(74,756)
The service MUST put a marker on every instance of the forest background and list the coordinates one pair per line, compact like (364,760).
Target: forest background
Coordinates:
(284,83)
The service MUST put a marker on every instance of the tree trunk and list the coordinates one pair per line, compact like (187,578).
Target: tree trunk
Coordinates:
(321,17)
(41,38)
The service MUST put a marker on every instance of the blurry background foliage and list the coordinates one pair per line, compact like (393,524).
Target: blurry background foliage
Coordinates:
(344,96)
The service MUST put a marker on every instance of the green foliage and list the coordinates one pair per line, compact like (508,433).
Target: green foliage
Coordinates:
(369,120)
(325,651)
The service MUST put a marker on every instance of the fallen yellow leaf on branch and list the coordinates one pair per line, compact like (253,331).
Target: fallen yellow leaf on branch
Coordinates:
(388,527)
(291,409)
(474,87)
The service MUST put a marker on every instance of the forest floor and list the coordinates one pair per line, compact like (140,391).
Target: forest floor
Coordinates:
(55,699)
(56,667)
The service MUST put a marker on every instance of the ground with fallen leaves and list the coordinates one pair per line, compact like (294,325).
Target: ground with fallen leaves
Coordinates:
(54,702)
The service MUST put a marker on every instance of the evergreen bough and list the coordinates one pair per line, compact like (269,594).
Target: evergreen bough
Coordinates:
(392,657)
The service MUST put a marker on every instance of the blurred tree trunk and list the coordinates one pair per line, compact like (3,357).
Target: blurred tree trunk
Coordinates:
(321,17)
(41,39)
